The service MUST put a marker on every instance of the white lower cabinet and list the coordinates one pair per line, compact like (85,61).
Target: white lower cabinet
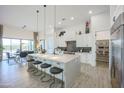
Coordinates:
(85,57)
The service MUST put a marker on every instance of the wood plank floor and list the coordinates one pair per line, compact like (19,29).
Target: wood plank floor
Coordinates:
(16,76)
(93,77)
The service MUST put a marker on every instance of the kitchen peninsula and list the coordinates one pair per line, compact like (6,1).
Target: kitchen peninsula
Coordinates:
(69,63)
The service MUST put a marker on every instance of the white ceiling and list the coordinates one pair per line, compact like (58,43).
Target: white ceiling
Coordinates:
(21,15)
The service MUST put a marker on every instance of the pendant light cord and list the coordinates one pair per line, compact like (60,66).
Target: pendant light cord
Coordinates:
(44,21)
(44,24)
(55,18)
(37,19)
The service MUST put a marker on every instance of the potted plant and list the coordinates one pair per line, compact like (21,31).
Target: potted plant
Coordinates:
(1,49)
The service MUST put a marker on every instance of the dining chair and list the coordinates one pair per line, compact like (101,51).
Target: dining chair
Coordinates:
(10,57)
(23,56)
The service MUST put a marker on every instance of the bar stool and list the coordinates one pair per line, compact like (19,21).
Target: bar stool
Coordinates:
(54,71)
(36,63)
(44,67)
(30,67)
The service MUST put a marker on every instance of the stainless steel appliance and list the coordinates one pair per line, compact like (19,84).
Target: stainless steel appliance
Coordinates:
(117,55)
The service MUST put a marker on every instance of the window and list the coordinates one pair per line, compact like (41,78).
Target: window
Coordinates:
(24,45)
(6,45)
(31,45)
(14,45)
(43,44)
(27,45)
(11,46)
(50,44)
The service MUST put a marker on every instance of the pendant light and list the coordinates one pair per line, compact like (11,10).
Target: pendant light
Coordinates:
(44,24)
(37,11)
(37,19)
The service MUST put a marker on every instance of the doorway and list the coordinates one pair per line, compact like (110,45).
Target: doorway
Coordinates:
(102,53)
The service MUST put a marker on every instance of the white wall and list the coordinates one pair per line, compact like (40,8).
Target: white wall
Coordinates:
(101,22)
(12,32)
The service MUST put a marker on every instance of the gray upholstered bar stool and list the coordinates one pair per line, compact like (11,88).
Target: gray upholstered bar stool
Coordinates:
(30,66)
(36,64)
(45,66)
(55,71)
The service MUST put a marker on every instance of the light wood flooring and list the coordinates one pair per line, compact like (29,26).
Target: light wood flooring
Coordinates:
(15,75)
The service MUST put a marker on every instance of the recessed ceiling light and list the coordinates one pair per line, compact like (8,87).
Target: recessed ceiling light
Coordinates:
(90,12)
(59,23)
(72,18)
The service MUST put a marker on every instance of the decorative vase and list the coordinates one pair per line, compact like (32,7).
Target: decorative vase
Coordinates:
(87,30)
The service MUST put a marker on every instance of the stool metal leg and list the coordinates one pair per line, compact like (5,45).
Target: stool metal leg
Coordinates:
(44,76)
(62,81)
(52,82)
(30,67)
(36,73)
(34,70)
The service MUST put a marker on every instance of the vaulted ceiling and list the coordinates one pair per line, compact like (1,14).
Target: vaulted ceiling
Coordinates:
(66,15)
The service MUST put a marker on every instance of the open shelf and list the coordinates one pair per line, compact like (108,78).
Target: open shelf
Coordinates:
(102,50)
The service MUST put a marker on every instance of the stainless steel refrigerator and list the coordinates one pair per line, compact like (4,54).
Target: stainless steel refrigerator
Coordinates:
(117,53)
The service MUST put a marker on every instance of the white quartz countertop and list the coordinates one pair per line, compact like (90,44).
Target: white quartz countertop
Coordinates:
(58,58)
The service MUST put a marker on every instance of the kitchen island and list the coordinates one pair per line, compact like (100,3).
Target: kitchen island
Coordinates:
(69,63)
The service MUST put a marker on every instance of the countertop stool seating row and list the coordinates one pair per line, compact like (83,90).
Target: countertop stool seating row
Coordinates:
(53,71)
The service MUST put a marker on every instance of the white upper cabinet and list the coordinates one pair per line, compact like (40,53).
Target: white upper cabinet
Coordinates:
(84,40)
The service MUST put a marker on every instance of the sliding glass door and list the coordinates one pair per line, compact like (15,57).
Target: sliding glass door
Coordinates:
(6,45)
(31,45)
(14,45)
(27,45)
(24,45)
